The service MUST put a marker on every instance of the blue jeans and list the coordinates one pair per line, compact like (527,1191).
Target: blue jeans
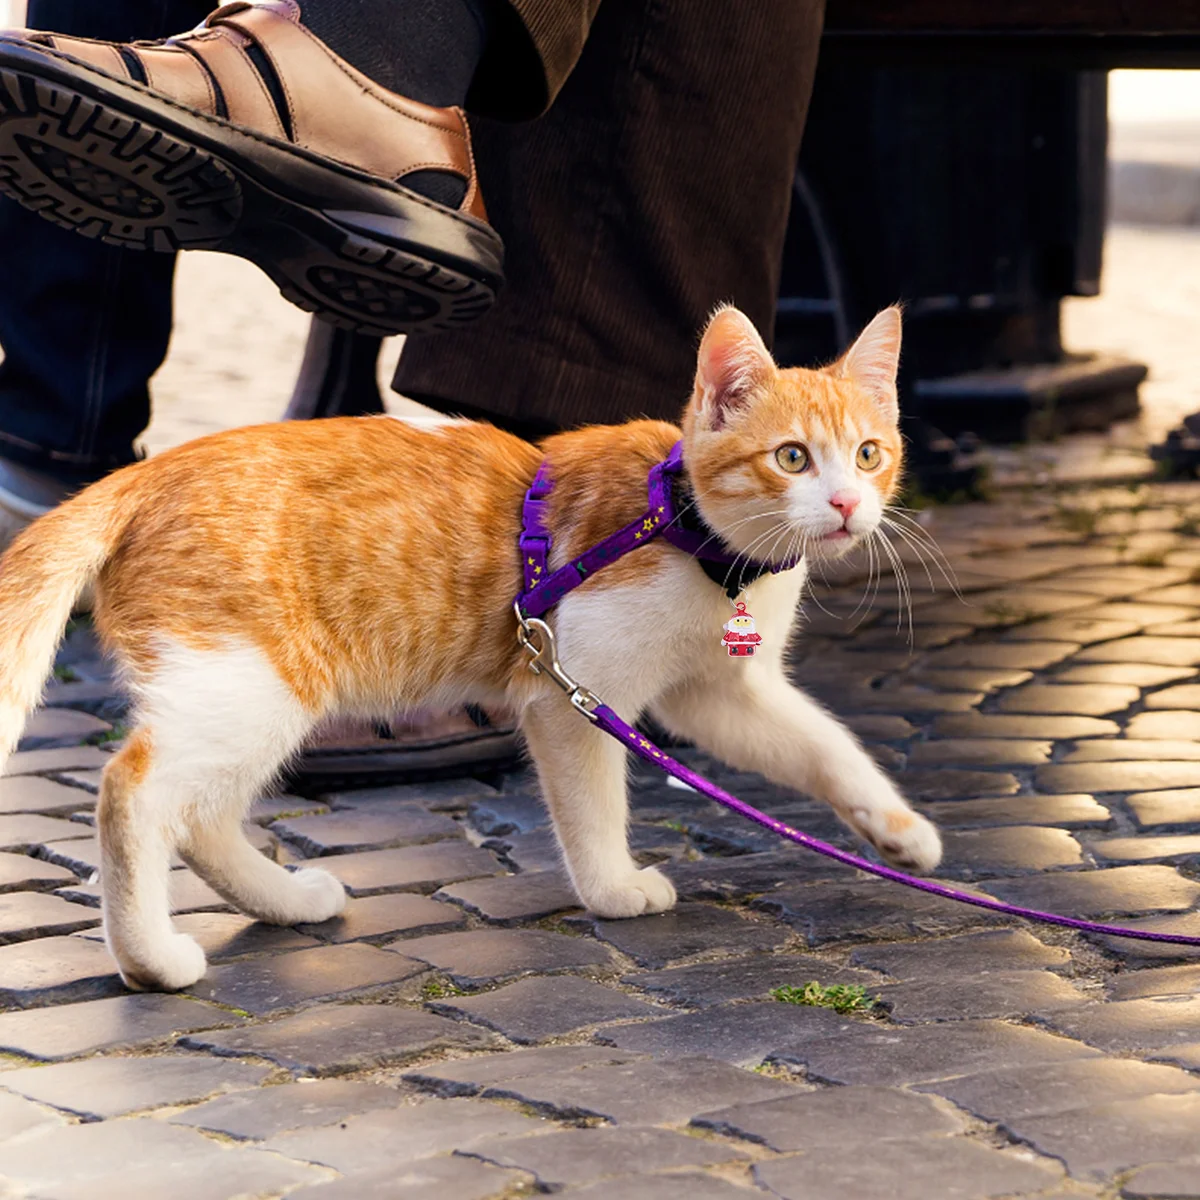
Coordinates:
(83,325)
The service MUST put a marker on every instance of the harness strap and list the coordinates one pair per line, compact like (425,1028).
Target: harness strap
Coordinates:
(663,518)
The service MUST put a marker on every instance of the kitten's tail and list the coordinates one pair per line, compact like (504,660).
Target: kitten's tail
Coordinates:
(42,574)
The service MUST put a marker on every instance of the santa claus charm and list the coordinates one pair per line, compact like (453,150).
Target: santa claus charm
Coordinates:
(740,638)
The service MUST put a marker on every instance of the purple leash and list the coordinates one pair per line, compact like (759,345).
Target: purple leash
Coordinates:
(543,590)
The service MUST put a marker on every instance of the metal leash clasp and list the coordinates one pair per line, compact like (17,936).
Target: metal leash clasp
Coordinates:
(543,660)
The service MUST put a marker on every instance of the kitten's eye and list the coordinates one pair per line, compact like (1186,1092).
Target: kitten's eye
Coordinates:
(869,456)
(792,458)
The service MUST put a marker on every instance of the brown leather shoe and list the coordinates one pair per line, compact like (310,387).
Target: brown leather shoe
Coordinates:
(249,136)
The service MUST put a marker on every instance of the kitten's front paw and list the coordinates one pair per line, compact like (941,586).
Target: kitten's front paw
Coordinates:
(905,839)
(176,964)
(318,897)
(644,891)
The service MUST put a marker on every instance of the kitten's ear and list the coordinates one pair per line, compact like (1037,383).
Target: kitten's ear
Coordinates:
(874,359)
(733,366)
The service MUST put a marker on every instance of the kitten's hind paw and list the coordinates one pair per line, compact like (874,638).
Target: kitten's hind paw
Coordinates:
(176,964)
(644,891)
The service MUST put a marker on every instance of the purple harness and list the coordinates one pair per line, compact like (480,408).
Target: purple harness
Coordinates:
(663,518)
(543,590)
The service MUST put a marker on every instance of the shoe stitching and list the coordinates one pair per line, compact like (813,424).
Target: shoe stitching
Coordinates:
(329,164)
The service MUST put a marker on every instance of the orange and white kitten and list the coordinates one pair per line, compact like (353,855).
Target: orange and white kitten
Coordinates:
(255,582)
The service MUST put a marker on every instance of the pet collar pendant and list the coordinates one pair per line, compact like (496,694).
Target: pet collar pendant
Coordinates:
(740,638)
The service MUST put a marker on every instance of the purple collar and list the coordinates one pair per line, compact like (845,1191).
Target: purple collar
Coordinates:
(664,517)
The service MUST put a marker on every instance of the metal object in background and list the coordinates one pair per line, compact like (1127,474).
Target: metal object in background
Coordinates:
(975,196)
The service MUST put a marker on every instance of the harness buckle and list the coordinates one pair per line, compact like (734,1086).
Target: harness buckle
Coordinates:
(543,660)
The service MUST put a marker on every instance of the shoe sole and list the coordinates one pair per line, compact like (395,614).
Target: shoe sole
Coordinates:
(118,162)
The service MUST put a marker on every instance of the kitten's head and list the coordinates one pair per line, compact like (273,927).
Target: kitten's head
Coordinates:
(789,460)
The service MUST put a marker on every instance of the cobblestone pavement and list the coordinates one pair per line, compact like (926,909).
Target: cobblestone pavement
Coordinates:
(465,1032)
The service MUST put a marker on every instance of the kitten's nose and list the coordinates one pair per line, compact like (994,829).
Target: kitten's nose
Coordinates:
(845,501)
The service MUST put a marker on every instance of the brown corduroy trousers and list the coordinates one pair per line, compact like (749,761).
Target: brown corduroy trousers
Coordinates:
(656,186)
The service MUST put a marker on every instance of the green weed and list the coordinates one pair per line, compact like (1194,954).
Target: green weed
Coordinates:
(842,998)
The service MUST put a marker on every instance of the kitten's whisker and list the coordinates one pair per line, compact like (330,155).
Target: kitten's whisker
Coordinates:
(927,540)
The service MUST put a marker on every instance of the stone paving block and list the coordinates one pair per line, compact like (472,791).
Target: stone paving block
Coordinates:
(833,1117)
(1012,850)
(452,1177)
(1160,981)
(97,1088)
(219,1175)
(1133,749)
(101,699)
(1068,699)
(50,727)
(892,1056)
(497,815)
(363,828)
(1082,630)
(189,894)
(1138,674)
(968,954)
(511,899)
(1176,629)
(869,911)
(529,853)
(579,1156)
(741,1034)
(1159,651)
(1177,1181)
(734,878)
(879,727)
(1095,1143)
(1175,806)
(444,795)
(682,1186)
(410,868)
(951,783)
(1122,1026)
(54,970)
(223,936)
(1145,616)
(1172,848)
(653,941)
(1180,593)
(263,985)
(1006,1095)
(1120,890)
(388,1137)
(29,831)
(1185,696)
(532,1010)
(25,915)
(48,1160)
(752,978)
(19,1116)
(968,679)
(1165,726)
(40,762)
(984,752)
(1025,655)
(482,956)
(336,1038)
(910,1169)
(65,1031)
(1008,725)
(730,835)
(1117,776)
(272,808)
(34,794)
(1133,950)
(23,873)
(473,1076)
(1067,811)
(265,1112)
(385,915)
(908,701)
(994,994)
(658,1091)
